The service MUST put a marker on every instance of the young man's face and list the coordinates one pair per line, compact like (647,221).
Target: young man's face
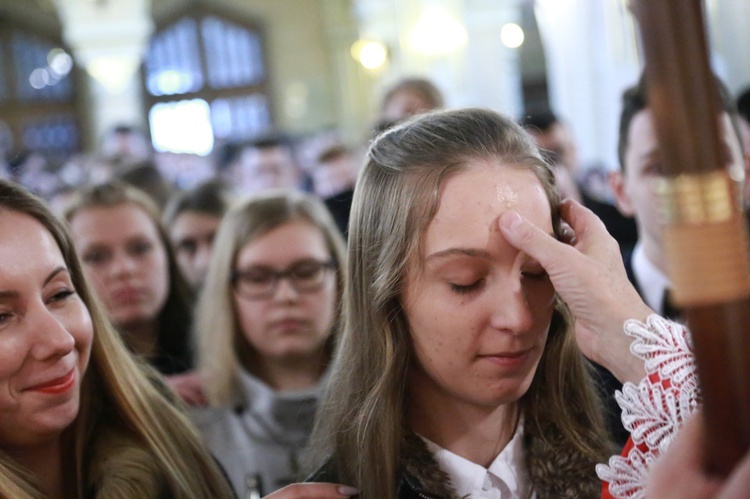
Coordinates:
(265,168)
(643,163)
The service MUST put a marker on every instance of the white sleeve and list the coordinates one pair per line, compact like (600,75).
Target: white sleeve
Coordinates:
(654,410)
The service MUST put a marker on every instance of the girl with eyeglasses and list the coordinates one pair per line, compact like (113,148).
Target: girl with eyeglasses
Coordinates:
(265,324)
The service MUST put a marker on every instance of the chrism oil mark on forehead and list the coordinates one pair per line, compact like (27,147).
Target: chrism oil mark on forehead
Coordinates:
(506,195)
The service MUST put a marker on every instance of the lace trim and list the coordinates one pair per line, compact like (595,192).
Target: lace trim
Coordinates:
(654,410)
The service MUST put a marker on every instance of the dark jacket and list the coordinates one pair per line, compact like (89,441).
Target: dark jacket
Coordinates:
(561,471)
(420,476)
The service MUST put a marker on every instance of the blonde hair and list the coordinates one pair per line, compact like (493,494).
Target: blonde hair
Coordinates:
(174,319)
(360,427)
(117,399)
(217,327)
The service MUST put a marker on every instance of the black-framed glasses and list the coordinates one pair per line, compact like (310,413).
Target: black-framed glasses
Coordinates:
(261,282)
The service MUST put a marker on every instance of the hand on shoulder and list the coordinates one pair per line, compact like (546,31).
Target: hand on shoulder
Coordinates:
(313,491)
(189,387)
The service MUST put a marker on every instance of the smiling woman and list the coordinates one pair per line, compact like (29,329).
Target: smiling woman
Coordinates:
(78,416)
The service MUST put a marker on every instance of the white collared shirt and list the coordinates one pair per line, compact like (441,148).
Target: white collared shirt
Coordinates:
(651,281)
(506,477)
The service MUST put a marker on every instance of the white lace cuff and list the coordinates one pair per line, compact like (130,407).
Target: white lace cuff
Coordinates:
(654,410)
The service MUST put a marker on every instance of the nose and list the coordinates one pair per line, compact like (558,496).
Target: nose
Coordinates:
(202,259)
(285,291)
(122,265)
(51,337)
(511,312)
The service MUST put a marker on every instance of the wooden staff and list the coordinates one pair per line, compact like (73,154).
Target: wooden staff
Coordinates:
(706,240)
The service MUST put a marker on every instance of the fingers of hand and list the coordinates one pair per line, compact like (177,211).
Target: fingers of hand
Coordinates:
(580,218)
(591,236)
(738,482)
(313,491)
(681,460)
(568,235)
(195,397)
(533,241)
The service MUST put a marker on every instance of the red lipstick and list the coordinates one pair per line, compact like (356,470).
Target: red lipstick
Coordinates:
(57,385)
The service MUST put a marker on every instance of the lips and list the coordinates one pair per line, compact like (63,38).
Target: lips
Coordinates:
(507,359)
(289,325)
(57,385)
(126,295)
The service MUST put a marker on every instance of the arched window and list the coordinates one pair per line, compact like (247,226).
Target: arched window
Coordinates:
(37,95)
(205,79)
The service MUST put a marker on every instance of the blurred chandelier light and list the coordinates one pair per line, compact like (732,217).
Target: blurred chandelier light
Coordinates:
(59,65)
(511,35)
(437,33)
(369,54)
(114,73)
(107,37)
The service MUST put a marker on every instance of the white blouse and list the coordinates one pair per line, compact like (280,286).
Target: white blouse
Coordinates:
(506,477)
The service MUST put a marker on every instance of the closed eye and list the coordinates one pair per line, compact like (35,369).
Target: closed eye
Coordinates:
(536,275)
(465,289)
(62,295)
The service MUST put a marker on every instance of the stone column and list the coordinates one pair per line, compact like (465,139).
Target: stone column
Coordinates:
(454,43)
(591,53)
(109,39)
(492,77)
(351,89)
(730,41)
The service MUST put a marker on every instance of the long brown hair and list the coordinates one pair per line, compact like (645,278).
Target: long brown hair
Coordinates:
(361,426)
(117,401)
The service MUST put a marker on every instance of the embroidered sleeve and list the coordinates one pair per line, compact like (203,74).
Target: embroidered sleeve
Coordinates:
(654,410)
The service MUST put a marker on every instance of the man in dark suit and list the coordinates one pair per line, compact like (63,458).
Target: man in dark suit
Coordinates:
(640,163)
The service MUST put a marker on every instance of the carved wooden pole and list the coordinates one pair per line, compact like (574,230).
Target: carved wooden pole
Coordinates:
(706,238)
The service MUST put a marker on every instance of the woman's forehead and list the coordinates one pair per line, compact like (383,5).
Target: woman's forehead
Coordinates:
(472,201)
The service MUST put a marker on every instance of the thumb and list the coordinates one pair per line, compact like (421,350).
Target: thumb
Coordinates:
(530,239)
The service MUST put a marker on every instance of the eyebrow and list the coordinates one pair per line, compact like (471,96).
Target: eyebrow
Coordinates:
(10,294)
(651,154)
(54,273)
(472,252)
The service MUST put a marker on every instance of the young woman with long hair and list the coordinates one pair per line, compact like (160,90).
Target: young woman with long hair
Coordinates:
(266,326)
(79,416)
(457,369)
(130,263)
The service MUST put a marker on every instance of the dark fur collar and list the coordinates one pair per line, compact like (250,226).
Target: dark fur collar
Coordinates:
(421,471)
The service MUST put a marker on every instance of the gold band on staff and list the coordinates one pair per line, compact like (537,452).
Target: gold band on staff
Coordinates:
(705,237)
